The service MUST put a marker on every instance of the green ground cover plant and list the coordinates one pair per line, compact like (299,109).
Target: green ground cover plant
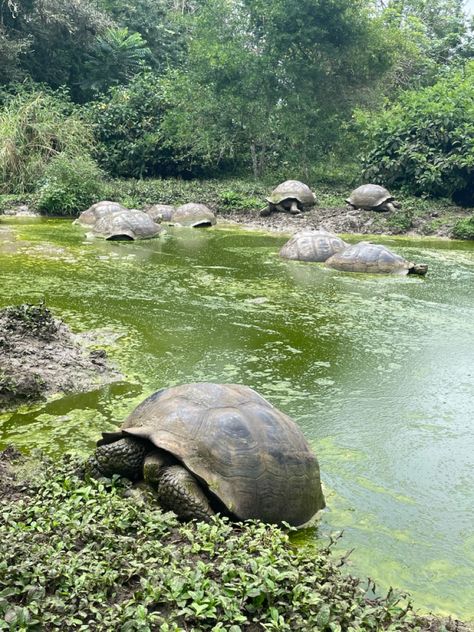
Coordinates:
(85,555)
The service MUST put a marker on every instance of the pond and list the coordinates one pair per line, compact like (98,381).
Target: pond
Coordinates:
(376,370)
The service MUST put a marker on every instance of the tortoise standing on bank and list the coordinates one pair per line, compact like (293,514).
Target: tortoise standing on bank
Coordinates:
(291,196)
(372,197)
(312,245)
(373,258)
(210,448)
(126,225)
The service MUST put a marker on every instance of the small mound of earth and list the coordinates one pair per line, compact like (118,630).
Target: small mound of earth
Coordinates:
(41,356)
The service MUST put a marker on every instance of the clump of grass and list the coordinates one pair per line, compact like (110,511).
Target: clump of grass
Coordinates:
(464,228)
(34,128)
(81,555)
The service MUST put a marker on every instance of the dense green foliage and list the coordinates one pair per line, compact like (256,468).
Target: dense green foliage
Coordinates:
(34,128)
(70,184)
(425,142)
(270,82)
(464,228)
(206,88)
(127,123)
(80,555)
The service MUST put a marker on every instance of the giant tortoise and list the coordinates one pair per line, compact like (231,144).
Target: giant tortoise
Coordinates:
(160,213)
(126,225)
(216,448)
(291,196)
(194,215)
(372,197)
(312,245)
(98,210)
(368,257)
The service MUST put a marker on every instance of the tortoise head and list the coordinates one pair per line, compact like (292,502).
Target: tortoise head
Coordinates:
(418,268)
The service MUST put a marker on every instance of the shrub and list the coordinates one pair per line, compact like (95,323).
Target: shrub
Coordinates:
(126,123)
(70,184)
(35,127)
(424,143)
(464,228)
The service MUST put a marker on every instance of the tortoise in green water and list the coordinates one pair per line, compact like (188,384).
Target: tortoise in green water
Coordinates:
(97,211)
(210,448)
(291,196)
(194,215)
(312,245)
(372,197)
(160,213)
(373,258)
(127,225)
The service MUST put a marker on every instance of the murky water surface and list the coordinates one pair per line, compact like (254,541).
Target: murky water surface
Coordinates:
(377,371)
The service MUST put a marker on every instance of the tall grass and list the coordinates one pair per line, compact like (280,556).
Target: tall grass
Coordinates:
(34,128)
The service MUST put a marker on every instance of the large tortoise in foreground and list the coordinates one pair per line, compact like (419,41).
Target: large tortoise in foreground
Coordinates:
(373,258)
(312,245)
(291,196)
(216,448)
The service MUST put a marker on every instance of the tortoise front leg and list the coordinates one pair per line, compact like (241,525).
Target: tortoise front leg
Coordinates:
(179,491)
(124,457)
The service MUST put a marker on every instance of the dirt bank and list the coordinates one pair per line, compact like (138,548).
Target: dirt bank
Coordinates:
(346,220)
(41,356)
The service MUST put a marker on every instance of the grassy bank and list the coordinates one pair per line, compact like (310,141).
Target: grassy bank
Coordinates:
(233,196)
(82,555)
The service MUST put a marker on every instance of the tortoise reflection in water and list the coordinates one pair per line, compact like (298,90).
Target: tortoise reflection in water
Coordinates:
(216,448)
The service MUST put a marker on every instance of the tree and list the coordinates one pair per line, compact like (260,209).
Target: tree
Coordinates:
(270,81)
(115,58)
(424,143)
(433,36)
(59,34)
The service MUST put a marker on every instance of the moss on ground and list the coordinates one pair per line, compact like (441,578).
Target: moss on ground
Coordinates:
(84,555)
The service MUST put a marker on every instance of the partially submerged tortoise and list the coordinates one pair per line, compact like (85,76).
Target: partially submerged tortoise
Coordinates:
(98,210)
(291,196)
(194,215)
(373,258)
(160,212)
(216,448)
(312,245)
(126,226)
(372,197)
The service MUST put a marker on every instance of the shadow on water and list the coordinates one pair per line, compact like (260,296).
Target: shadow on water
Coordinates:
(376,370)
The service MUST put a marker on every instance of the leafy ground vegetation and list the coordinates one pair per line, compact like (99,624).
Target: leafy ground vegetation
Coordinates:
(88,555)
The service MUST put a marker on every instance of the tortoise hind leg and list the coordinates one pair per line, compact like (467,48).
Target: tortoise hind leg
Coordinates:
(179,491)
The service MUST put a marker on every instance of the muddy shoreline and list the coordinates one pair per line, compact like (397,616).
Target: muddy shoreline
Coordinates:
(344,220)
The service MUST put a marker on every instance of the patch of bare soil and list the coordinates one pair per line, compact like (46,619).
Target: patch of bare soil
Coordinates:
(41,356)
